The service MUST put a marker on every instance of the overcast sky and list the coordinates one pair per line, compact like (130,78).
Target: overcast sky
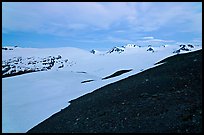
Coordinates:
(100,24)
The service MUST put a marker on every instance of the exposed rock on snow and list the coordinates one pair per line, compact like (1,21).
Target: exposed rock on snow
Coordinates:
(150,49)
(184,48)
(93,51)
(116,49)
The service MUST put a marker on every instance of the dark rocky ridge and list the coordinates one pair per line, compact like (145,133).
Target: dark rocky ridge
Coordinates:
(164,99)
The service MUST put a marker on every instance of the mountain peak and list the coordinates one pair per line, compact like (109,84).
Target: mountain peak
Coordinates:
(131,46)
(183,48)
(150,49)
(116,49)
(93,51)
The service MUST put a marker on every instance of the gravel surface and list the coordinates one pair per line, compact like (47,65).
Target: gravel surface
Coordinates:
(164,99)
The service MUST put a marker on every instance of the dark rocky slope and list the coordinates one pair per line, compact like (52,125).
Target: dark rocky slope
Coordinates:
(167,98)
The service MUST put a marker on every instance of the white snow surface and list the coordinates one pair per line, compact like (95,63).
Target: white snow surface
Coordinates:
(31,98)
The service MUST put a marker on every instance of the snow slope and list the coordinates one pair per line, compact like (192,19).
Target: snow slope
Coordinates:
(31,98)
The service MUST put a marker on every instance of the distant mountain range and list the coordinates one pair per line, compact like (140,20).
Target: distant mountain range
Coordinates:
(18,65)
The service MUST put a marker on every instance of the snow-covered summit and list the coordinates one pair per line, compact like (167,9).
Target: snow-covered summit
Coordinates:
(116,49)
(184,48)
(123,48)
(131,46)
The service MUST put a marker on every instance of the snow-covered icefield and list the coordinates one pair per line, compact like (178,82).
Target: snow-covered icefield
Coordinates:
(31,98)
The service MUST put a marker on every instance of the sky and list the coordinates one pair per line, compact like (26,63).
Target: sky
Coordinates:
(100,25)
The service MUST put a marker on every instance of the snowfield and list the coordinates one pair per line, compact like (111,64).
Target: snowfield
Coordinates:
(30,98)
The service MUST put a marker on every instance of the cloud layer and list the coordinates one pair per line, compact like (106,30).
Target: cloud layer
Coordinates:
(56,17)
(102,19)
